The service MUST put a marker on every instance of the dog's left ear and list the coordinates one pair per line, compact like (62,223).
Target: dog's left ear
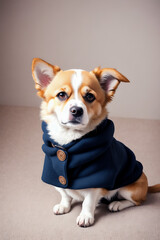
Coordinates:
(109,79)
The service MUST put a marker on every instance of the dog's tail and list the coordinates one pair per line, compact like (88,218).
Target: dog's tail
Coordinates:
(154,188)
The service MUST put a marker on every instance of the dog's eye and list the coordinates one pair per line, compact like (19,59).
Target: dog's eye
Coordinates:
(62,96)
(89,97)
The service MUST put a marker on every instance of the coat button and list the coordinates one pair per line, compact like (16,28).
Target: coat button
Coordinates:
(62,180)
(61,155)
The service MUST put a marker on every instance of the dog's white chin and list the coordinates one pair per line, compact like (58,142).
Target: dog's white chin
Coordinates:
(64,133)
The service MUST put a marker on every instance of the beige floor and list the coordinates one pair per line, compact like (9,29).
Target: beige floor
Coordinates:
(26,202)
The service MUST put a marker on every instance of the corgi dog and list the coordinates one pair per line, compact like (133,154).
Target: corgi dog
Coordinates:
(73,111)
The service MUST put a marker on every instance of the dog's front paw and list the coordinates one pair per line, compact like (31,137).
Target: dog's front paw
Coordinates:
(61,209)
(85,220)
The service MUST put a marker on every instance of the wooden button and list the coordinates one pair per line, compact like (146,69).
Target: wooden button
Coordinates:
(62,180)
(61,155)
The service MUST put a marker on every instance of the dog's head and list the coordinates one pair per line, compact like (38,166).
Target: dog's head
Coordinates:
(76,97)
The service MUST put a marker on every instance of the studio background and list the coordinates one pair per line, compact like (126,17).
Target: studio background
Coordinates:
(121,34)
(83,34)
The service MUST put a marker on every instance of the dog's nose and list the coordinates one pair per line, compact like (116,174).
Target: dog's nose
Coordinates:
(76,111)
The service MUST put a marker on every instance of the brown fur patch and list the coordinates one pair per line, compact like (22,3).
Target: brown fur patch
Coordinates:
(138,189)
(61,80)
(154,189)
(104,191)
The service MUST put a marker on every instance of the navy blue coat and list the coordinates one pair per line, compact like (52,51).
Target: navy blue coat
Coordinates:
(97,160)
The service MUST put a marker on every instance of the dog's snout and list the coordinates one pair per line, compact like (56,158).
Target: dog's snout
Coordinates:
(76,111)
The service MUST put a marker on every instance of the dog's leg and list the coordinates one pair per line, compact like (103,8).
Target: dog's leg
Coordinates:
(134,194)
(86,217)
(65,205)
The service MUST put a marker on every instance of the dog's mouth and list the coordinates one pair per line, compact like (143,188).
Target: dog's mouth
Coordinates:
(74,122)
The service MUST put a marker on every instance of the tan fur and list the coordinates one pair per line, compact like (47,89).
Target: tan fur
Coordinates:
(104,192)
(154,188)
(61,80)
(138,189)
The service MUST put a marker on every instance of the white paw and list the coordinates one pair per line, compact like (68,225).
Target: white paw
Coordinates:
(115,206)
(119,205)
(85,220)
(61,209)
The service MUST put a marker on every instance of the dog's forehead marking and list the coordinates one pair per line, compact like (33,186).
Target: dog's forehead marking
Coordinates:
(76,81)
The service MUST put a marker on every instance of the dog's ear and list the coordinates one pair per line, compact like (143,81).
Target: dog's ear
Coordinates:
(109,79)
(43,73)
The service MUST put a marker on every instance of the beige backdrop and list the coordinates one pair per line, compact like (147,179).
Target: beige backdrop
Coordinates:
(83,34)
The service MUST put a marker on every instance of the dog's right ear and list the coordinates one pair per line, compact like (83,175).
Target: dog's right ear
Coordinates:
(43,73)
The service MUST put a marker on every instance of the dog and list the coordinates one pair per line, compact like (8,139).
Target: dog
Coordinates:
(74,112)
